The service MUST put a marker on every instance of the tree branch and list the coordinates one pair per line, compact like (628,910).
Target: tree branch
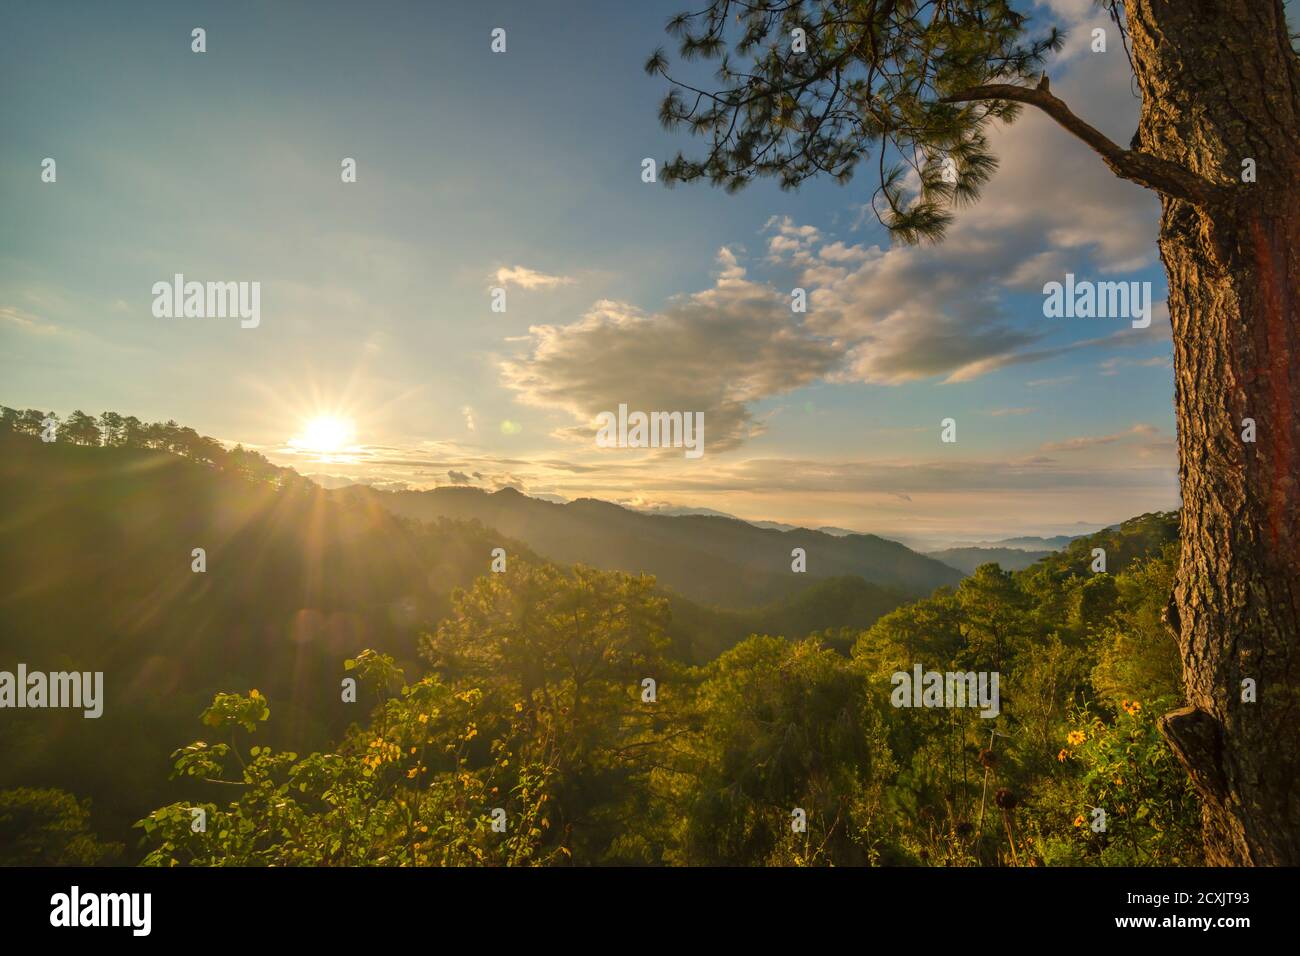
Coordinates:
(1134,165)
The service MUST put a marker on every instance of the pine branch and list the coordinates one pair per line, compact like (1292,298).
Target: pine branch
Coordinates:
(1131,164)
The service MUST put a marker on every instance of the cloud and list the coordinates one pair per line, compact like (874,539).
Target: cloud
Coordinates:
(525,278)
(1059,380)
(913,312)
(839,252)
(790,239)
(458,477)
(717,352)
(27,322)
(876,315)
(1111,366)
(1092,441)
(468,412)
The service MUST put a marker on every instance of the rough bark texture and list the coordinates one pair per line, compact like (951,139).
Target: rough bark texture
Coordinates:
(1220,84)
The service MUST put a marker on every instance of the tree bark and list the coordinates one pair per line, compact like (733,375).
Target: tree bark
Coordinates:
(1220,84)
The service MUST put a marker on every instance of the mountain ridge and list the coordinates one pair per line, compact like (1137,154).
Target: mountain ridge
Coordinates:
(723,561)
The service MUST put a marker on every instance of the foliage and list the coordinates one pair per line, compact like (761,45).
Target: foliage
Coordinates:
(49,827)
(1152,816)
(536,700)
(778,752)
(809,87)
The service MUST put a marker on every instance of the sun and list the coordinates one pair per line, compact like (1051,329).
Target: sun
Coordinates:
(325,434)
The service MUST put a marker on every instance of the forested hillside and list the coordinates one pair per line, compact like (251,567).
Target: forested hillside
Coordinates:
(548,713)
(97,574)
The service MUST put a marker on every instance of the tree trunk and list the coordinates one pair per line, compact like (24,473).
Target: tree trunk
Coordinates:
(1220,84)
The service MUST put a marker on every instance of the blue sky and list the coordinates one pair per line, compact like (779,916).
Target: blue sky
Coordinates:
(523,169)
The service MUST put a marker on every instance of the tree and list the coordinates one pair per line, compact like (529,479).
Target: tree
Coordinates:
(567,651)
(133,433)
(31,422)
(405,790)
(791,763)
(1220,82)
(110,425)
(80,429)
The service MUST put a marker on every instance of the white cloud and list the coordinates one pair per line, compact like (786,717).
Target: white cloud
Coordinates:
(526,278)
(717,351)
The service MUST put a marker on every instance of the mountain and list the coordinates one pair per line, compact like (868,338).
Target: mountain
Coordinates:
(1026,543)
(1130,541)
(713,560)
(1133,539)
(967,560)
(824,529)
(96,575)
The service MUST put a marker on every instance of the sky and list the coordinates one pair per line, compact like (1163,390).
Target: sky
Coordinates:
(522,170)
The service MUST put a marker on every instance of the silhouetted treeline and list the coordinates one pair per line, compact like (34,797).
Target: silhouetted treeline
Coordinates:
(112,430)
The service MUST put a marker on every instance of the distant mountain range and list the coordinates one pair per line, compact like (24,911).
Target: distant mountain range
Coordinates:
(711,559)
(1029,543)
(967,560)
(935,548)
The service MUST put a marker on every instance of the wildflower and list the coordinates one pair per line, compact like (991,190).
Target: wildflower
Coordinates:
(1131,707)
(1075,737)
(1062,755)
(1078,821)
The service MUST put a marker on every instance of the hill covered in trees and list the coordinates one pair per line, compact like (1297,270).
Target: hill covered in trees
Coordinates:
(548,713)
(97,573)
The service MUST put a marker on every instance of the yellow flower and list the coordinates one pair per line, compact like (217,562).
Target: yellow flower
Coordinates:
(412,772)
(1131,707)
(1062,755)
(1075,737)
(424,718)
(1078,821)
